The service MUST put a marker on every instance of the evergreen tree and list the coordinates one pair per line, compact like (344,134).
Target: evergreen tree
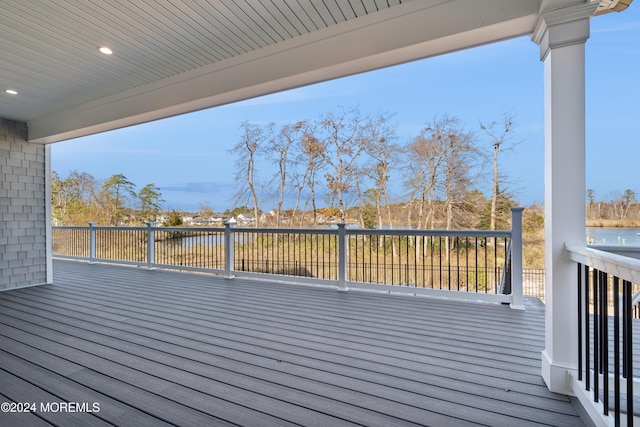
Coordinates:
(174,220)
(116,195)
(150,203)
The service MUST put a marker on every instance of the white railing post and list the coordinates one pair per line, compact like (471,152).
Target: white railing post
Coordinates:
(228,248)
(92,243)
(516,258)
(151,247)
(342,257)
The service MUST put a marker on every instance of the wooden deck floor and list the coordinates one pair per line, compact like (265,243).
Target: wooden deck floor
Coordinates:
(166,348)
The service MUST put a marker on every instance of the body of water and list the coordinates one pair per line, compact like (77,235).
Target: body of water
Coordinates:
(613,236)
(595,235)
(208,240)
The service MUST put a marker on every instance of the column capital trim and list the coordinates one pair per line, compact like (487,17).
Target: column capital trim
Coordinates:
(563,17)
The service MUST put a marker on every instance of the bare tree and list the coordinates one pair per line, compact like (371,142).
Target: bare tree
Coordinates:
(425,157)
(313,155)
(358,173)
(344,137)
(460,165)
(500,135)
(248,148)
(460,161)
(591,197)
(382,150)
(622,203)
(72,198)
(279,149)
(205,210)
(298,181)
(629,199)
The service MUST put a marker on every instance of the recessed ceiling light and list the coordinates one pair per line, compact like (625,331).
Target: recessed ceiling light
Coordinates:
(11,91)
(105,50)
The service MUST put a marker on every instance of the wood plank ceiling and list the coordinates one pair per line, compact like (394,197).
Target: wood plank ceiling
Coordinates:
(49,49)
(175,56)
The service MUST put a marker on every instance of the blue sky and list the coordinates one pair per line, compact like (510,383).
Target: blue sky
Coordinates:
(187,156)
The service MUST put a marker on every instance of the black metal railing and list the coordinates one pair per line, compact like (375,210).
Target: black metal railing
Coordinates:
(286,252)
(469,261)
(605,294)
(459,261)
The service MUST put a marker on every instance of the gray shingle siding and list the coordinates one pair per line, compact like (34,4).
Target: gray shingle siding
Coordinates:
(22,208)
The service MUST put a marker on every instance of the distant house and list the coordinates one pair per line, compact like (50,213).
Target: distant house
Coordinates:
(188,217)
(323,219)
(200,221)
(219,219)
(161,219)
(270,217)
(246,219)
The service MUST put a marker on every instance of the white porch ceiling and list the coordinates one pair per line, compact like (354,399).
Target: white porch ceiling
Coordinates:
(173,57)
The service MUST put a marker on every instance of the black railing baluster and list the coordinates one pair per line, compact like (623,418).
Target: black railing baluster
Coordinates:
(384,260)
(415,260)
(626,286)
(616,350)
(433,280)
(323,257)
(477,264)
(625,313)
(580,322)
(406,270)
(596,335)
(587,299)
(373,243)
(457,243)
(605,343)
(440,262)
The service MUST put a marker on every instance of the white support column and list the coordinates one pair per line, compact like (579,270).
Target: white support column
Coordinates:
(517,302)
(561,35)
(151,245)
(343,249)
(229,240)
(48,215)
(92,243)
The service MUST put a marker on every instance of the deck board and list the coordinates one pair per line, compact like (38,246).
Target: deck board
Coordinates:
(187,349)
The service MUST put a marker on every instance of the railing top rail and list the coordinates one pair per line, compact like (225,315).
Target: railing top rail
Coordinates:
(332,230)
(624,250)
(285,230)
(123,228)
(191,229)
(428,232)
(372,231)
(621,266)
(139,227)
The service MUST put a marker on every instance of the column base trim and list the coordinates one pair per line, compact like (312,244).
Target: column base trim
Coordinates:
(556,375)
(13,288)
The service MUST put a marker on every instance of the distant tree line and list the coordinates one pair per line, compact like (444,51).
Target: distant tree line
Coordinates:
(337,167)
(617,206)
(80,198)
(344,160)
